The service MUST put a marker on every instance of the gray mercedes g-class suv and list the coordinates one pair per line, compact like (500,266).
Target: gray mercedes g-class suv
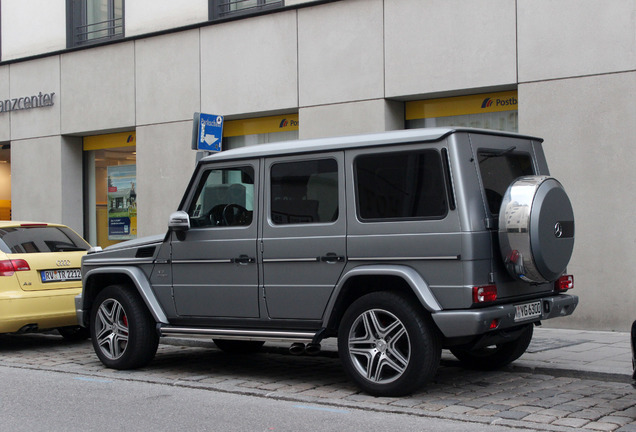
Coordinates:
(399,244)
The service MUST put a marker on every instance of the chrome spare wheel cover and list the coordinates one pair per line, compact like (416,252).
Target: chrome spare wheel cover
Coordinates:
(379,346)
(536,229)
(111,329)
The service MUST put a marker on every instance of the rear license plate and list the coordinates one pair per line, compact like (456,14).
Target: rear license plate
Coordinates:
(527,311)
(61,275)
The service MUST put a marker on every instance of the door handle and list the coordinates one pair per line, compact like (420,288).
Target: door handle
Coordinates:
(331,258)
(243,260)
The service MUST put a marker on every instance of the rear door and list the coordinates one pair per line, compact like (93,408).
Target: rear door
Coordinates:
(304,244)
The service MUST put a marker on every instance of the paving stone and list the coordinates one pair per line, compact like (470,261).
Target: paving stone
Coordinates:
(597,426)
(570,422)
(513,415)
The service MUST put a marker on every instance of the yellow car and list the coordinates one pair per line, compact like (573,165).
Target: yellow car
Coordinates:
(39,278)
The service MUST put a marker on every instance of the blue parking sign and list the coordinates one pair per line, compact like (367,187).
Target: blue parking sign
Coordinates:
(210,132)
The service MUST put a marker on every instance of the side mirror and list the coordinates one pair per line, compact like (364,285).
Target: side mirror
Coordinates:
(179,221)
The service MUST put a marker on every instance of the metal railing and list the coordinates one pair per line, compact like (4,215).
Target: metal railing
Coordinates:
(99,31)
(230,7)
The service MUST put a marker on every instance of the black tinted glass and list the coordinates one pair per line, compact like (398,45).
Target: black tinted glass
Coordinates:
(41,239)
(304,192)
(401,185)
(498,171)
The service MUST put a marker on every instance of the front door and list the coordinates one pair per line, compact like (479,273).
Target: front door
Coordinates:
(214,263)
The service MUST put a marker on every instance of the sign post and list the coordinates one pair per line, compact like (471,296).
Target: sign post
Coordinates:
(207,132)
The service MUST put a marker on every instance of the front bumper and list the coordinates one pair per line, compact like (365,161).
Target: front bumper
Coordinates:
(79,311)
(474,322)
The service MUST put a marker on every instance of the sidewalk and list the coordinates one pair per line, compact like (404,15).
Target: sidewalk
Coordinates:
(579,353)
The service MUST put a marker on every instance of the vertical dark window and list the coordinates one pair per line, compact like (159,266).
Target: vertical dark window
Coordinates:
(92,21)
(304,192)
(405,185)
(223,8)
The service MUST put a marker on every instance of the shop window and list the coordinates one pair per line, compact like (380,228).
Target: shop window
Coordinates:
(496,111)
(260,130)
(110,185)
(5,182)
(225,8)
(93,21)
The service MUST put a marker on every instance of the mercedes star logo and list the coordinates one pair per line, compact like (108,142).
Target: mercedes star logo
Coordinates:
(558,230)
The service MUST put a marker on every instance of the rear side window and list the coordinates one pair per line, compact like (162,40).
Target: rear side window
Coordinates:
(304,192)
(405,185)
(498,170)
(41,239)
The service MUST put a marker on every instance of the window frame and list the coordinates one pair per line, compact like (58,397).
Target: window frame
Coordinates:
(76,18)
(219,9)
(272,185)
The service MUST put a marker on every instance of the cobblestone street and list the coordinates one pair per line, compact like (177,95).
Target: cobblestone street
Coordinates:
(514,397)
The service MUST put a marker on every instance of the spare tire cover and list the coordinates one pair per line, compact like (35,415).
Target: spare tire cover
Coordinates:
(536,229)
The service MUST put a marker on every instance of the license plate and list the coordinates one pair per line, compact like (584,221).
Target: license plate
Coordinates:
(527,311)
(61,275)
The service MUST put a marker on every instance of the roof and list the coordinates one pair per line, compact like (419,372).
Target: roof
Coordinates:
(354,141)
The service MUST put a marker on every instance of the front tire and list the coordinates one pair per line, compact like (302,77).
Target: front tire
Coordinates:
(495,356)
(122,329)
(387,346)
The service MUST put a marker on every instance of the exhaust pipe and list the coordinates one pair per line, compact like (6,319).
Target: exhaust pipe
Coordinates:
(312,348)
(297,348)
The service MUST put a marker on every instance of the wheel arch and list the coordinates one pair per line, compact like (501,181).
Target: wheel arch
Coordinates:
(98,279)
(366,279)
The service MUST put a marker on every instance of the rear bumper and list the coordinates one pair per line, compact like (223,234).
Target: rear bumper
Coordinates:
(474,322)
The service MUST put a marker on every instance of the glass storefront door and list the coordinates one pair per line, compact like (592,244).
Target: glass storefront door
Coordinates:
(110,180)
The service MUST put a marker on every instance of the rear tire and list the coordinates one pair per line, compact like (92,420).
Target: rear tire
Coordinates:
(238,346)
(495,356)
(387,346)
(122,329)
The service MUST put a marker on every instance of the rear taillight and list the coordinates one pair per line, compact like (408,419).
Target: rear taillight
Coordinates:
(484,293)
(8,267)
(564,283)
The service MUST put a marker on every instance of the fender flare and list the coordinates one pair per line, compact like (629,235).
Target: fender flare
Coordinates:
(418,285)
(141,284)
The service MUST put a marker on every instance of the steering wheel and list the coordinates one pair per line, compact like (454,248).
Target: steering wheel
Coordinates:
(234,214)
(215,215)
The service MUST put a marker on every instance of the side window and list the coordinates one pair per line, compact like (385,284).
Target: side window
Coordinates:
(404,185)
(304,192)
(224,197)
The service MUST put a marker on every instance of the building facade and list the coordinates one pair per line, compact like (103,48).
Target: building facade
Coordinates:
(97,99)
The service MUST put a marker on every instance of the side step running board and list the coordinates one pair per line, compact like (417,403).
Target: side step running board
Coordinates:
(260,335)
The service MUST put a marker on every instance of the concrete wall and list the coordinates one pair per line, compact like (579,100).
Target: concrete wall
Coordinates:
(147,16)
(588,127)
(31,27)
(98,89)
(443,47)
